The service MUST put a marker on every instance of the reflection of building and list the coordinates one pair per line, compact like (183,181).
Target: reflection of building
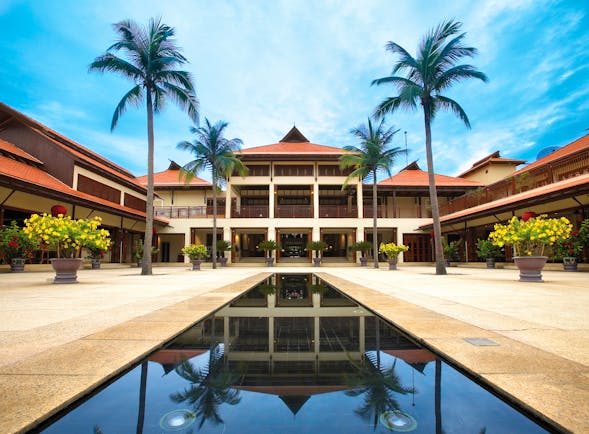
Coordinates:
(295,348)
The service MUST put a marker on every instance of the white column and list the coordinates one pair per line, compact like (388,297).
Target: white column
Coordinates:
(228,200)
(187,243)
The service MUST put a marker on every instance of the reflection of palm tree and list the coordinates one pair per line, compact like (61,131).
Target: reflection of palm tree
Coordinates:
(142,393)
(378,387)
(210,387)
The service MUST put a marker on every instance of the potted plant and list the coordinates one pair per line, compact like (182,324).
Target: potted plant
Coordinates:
(139,252)
(392,252)
(222,247)
(16,247)
(196,253)
(569,251)
(67,237)
(364,247)
(488,251)
(267,246)
(451,250)
(529,240)
(317,247)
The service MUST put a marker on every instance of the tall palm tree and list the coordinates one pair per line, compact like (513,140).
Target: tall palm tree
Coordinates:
(152,58)
(214,152)
(430,73)
(372,157)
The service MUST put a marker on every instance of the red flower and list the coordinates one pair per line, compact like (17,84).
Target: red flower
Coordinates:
(13,244)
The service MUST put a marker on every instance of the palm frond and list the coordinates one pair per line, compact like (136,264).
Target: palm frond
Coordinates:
(133,97)
(185,99)
(452,105)
(457,74)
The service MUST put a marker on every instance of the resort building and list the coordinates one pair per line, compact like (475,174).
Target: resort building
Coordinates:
(293,193)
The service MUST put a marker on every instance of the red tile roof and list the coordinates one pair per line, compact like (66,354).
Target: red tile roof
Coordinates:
(301,148)
(37,178)
(546,193)
(71,146)
(17,152)
(413,176)
(171,178)
(495,158)
(571,148)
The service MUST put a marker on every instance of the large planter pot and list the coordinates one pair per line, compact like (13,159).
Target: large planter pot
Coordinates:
(196,264)
(316,262)
(95,264)
(270,262)
(393,264)
(66,269)
(363,261)
(17,265)
(490,262)
(223,261)
(569,264)
(530,267)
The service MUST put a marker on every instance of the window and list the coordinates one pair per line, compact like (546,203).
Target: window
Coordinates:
(295,170)
(98,189)
(135,203)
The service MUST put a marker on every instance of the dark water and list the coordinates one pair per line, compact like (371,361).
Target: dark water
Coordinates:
(293,355)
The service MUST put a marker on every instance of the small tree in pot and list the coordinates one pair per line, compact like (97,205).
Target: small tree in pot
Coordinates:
(364,247)
(392,251)
(16,247)
(317,247)
(267,246)
(222,247)
(196,253)
(488,251)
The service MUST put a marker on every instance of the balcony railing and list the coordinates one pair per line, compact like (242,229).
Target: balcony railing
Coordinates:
(250,212)
(381,212)
(338,211)
(294,211)
(187,212)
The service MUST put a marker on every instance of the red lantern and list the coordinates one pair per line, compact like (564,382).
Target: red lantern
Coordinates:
(154,230)
(58,209)
(528,215)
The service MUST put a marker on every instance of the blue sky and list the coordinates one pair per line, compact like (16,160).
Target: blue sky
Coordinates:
(264,65)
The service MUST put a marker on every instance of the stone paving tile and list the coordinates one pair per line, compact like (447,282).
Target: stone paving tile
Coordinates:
(29,399)
(142,330)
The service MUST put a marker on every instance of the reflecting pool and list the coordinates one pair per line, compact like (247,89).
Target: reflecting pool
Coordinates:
(293,355)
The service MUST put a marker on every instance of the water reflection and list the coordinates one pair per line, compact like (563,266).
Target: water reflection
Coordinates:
(295,355)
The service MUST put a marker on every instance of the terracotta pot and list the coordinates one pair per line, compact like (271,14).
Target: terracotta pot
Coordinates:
(95,264)
(316,262)
(66,269)
(363,261)
(490,262)
(17,265)
(393,264)
(196,264)
(223,261)
(530,267)
(270,262)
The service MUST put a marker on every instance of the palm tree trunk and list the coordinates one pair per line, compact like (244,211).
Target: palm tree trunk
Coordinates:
(147,240)
(374,221)
(438,397)
(214,220)
(433,194)
(142,393)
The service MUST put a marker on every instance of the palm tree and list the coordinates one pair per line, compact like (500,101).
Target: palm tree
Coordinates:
(214,152)
(371,157)
(429,74)
(210,387)
(378,385)
(153,56)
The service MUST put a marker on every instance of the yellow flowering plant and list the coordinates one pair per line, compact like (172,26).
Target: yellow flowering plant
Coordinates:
(392,250)
(66,235)
(531,237)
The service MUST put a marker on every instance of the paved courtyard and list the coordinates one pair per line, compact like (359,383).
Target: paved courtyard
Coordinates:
(59,341)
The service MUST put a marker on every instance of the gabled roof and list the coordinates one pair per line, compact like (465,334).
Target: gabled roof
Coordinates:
(16,152)
(41,183)
(171,178)
(293,143)
(494,158)
(576,146)
(413,176)
(81,153)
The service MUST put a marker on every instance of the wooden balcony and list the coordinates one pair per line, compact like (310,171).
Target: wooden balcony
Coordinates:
(381,212)
(250,211)
(294,211)
(187,212)
(338,211)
